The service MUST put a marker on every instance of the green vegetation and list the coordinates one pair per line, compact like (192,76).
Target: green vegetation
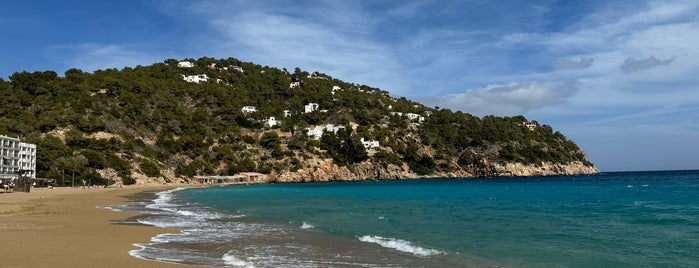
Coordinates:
(147,118)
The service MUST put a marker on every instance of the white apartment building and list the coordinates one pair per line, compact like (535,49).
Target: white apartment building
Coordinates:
(15,156)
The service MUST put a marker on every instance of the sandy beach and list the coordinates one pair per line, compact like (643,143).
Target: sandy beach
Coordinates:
(63,227)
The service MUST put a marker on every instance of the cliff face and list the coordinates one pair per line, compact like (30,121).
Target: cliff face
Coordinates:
(326,170)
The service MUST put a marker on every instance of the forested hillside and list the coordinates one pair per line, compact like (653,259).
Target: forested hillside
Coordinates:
(148,121)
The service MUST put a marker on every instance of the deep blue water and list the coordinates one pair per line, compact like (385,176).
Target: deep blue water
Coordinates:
(625,219)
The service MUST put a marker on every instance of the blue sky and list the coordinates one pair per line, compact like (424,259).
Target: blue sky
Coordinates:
(620,78)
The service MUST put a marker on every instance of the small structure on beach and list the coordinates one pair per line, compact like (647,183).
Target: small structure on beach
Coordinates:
(240,178)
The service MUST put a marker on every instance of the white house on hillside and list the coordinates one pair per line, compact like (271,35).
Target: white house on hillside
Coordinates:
(413,116)
(196,78)
(316,132)
(185,64)
(294,84)
(310,107)
(248,109)
(530,125)
(410,116)
(270,122)
(287,113)
(335,88)
(371,145)
(237,68)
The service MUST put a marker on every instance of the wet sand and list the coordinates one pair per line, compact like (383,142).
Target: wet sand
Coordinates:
(63,227)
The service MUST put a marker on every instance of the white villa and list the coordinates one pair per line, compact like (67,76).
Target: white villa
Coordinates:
(310,107)
(410,116)
(271,121)
(371,145)
(335,88)
(287,113)
(248,109)
(237,68)
(196,78)
(294,84)
(530,125)
(316,132)
(413,116)
(185,64)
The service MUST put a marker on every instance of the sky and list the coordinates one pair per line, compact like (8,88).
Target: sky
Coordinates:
(620,78)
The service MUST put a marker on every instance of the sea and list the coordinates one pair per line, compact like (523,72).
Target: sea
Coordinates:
(614,219)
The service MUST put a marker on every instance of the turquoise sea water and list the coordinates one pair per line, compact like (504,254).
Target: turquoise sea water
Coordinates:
(626,219)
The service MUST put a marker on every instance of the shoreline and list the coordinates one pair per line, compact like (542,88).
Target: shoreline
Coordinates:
(65,227)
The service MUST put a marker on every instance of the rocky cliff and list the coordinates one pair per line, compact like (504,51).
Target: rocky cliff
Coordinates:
(325,170)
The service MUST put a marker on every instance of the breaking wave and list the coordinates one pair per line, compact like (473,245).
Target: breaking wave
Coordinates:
(400,245)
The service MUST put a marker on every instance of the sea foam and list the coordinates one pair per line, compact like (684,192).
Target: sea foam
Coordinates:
(306,225)
(400,245)
(234,261)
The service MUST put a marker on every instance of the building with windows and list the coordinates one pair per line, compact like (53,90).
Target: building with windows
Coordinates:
(16,156)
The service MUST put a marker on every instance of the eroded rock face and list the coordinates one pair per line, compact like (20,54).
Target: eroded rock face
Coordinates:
(545,169)
(325,170)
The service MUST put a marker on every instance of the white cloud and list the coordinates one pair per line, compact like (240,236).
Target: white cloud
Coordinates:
(93,56)
(509,99)
(327,44)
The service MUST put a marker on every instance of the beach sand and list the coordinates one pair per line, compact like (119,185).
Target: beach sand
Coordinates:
(63,227)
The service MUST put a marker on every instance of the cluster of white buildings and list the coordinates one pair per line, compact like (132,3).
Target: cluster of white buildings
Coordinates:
(410,116)
(16,157)
(198,78)
(317,131)
(313,132)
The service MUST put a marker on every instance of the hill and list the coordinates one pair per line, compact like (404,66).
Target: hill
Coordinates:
(173,120)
